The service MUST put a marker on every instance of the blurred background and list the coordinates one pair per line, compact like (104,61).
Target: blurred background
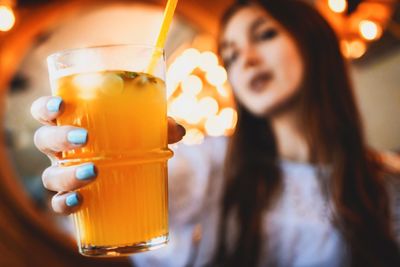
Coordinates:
(199,95)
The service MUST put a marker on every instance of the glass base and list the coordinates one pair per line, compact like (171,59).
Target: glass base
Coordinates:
(119,251)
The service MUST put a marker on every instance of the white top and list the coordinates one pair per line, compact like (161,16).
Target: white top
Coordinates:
(300,233)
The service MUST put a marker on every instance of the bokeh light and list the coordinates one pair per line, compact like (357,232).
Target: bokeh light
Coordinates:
(192,84)
(193,137)
(208,106)
(181,68)
(208,60)
(353,49)
(357,49)
(199,96)
(7,18)
(345,48)
(337,6)
(181,106)
(214,127)
(217,76)
(228,117)
(191,54)
(223,90)
(370,30)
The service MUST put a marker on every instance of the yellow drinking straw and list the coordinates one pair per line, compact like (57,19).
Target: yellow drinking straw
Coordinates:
(162,36)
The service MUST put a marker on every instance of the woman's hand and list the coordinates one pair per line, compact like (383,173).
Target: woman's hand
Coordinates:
(52,140)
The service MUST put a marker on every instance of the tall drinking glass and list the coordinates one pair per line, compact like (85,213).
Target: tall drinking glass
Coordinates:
(107,91)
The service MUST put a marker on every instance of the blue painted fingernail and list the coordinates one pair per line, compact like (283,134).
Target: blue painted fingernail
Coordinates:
(72,200)
(85,172)
(53,105)
(77,137)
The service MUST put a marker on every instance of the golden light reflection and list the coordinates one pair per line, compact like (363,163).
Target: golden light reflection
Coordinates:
(228,117)
(337,6)
(208,60)
(208,106)
(199,96)
(214,127)
(7,18)
(192,84)
(223,90)
(353,49)
(89,83)
(345,48)
(191,54)
(88,80)
(357,49)
(193,116)
(181,106)
(370,30)
(193,137)
(181,68)
(359,24)
(216,76)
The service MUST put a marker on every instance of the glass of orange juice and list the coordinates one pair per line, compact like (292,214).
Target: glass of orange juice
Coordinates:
(106,91)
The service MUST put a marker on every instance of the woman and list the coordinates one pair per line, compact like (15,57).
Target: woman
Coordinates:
(301,187)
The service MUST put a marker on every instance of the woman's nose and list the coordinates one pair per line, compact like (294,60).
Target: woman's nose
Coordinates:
(251,57)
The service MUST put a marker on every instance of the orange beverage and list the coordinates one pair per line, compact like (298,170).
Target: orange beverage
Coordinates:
(126,209)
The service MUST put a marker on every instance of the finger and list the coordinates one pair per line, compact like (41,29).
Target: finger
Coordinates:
(66,203)
(53,139)
(175,131)
(69,178)
(46,109)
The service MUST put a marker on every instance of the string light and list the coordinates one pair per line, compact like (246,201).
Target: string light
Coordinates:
(198,96)
(228,117)
(217,76)
(208,106)
(208,60)
(353,49)
(192,84)
(370,30)
(337,6)
(357,49)
(181,106)
(362,23)
(345,48)
(214,127)
(193,137)
(181,68)
(7,18)
(223,90)
(191,54)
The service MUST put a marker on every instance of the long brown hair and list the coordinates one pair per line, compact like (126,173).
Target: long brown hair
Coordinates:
(333,130)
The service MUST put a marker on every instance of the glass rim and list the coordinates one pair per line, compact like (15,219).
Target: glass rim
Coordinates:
(72,50)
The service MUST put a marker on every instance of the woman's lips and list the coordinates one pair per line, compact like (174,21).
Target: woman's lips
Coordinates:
(259,81)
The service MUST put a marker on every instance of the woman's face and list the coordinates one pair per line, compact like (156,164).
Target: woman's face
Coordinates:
(263,61)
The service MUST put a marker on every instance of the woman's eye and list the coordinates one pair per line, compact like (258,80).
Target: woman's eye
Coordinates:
(228,60)
(266,35)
